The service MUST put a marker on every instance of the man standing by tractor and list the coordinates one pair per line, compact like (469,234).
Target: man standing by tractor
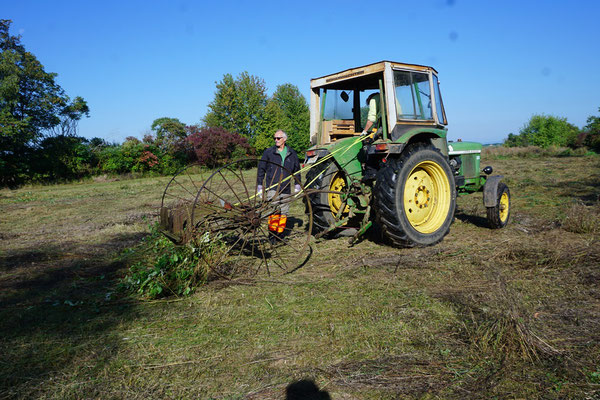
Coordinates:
(277,181)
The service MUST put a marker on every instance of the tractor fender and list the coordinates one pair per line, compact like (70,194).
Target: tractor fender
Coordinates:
(490,190)
(345,153)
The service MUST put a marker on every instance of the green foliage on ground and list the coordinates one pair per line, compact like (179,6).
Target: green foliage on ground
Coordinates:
(166,269)
(497,152)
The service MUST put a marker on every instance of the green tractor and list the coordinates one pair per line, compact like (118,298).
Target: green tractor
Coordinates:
(402,169)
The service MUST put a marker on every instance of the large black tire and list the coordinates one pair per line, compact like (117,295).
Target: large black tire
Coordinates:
(498,215)
(326,177)
(415,197)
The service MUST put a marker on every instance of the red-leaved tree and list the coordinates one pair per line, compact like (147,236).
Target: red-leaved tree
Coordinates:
(215,147)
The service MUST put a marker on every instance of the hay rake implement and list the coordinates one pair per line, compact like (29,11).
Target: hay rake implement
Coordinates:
(231,225)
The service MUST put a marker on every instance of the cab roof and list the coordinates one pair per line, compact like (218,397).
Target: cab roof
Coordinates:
(333,80)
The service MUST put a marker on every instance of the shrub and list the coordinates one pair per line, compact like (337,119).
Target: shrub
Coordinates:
(215,147)
(165,269)
(591,137)
(592,140)
(545,131)
(62,158)
(135,156)
(171,163)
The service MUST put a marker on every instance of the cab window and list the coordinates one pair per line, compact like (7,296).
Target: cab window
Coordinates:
(338,105)
(439,106)
(413,97)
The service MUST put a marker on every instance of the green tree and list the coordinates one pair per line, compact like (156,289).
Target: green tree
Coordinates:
(515,141)
(296,116)
(70,116)
(238,105)
(273,119)
(97,143)
(547,130)
(169,131)
(31,105)
(592,129)
(62,157)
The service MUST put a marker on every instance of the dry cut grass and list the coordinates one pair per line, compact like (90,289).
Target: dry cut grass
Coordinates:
(581,218)
(497,151)
(511,313)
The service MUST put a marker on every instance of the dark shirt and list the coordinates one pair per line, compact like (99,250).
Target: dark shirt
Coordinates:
(272,172)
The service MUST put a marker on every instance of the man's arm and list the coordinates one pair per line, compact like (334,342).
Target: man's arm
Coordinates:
(295,179)
(296,169)
(368,126)
(371,117)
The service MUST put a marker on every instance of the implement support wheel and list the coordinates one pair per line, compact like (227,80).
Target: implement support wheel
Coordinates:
(241,232)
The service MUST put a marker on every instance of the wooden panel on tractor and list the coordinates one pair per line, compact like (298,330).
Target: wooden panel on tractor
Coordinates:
(338,129)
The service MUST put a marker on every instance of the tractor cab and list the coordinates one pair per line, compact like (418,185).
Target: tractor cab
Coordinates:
(409,102)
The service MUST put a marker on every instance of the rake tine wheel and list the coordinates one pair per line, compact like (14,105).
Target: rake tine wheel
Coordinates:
(231,222)
(177,200)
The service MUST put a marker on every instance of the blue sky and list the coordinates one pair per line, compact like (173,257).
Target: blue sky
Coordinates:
(134,61)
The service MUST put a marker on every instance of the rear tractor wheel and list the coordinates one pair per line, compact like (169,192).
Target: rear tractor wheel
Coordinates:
(329,199)
(415,197)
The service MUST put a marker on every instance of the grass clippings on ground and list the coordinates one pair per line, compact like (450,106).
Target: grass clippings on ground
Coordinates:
(510,313)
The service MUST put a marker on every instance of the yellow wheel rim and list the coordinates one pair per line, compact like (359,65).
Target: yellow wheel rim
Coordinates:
(504,206)
(427,197)
(338,184)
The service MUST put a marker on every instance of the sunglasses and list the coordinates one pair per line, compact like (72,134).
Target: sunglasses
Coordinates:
(277,138)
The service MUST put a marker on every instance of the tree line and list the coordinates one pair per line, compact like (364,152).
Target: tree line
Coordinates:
(39,140)
(548,130)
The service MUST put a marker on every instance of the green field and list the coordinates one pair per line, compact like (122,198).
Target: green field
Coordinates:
(512,313)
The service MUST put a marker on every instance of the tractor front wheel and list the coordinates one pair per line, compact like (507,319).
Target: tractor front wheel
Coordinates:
(498,216)
(415,197)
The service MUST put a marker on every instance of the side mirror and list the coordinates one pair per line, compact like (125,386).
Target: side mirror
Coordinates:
(344,96)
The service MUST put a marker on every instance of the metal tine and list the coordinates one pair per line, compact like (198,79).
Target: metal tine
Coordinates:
(243,235)
(230,187)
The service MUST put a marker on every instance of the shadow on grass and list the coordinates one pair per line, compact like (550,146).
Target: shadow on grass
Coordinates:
(587,190)
(476,220)
(374,234)
(58,313)
(305,389)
